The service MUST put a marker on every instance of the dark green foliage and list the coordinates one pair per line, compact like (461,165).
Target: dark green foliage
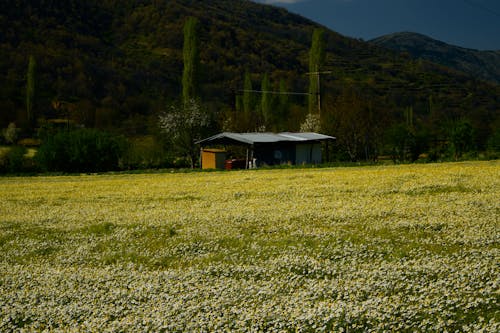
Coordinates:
(461,136)
(114,65)
(356,124)
(248,102)
(147,153)
(494,142)
(266,101)
(281,111)
(13,161)
(479,64)
(402,143)
(30,90)
(191,60)
(405,141)
(316,59)
(83,150)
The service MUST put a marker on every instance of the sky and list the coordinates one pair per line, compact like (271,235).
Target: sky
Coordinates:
(472,24)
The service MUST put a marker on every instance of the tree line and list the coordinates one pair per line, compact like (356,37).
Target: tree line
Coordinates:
(402,109)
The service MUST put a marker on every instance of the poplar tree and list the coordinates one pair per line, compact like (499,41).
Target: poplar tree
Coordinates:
(247,98)
(30,89)
(316,58)
(283,101)
(191,60)
(266,100)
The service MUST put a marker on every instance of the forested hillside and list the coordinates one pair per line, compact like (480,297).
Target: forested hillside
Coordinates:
(483,65)
(116,65)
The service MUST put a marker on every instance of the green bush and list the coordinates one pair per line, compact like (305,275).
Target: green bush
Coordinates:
(461,138)
(13,160)
(83,150)
(494,142)
(146,153)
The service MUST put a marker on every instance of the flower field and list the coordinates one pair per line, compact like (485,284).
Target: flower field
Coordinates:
(369,249)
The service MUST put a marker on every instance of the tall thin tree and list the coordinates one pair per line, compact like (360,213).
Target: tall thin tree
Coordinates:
(283,101)
(316,58)
(191,60)
(30,90)
(266,101)
(247,99)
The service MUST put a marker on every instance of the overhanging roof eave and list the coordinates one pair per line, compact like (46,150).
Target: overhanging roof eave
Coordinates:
(225,138)
(249,139)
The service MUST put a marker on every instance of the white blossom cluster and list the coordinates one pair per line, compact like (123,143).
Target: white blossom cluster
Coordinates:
(312,123)
(189,117)
(380,249)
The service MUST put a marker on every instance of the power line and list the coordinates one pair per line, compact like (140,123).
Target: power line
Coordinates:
(273,92)
(318,93)
(319,73)
(481,6)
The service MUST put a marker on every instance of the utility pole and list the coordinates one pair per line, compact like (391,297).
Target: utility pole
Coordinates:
(318,93)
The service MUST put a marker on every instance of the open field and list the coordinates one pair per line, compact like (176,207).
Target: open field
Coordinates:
(392,248)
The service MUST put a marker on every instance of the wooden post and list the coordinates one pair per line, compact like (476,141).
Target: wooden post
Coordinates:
(201,157)
(319,97)
(246,164)
(327,153)
(252,159)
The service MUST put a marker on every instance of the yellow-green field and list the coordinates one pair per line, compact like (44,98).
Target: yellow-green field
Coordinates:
(392,248)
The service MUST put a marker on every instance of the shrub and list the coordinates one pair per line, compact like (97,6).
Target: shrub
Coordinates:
(83,150)
(146,153)
(461,137)
(13,160)
(494,142)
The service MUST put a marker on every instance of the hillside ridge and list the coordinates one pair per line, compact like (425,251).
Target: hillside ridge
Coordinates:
(117,64)
(484,65)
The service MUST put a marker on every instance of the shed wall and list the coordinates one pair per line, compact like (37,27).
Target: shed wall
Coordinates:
(213,159)
(308,153)
(274,153)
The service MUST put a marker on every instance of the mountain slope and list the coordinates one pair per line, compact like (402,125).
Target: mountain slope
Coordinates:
(127,55)
(116,64)
(481,64)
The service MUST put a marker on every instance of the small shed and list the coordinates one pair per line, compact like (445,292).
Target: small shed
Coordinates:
(213,158)
(273,148)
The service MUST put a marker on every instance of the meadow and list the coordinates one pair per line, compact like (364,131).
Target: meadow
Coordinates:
(365,249)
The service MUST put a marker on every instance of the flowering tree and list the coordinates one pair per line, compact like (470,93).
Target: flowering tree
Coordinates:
(183,125)
(10,133)
(311,124)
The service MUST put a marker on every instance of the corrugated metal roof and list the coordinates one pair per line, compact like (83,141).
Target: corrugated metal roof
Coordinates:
(252,138)
(308,136)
